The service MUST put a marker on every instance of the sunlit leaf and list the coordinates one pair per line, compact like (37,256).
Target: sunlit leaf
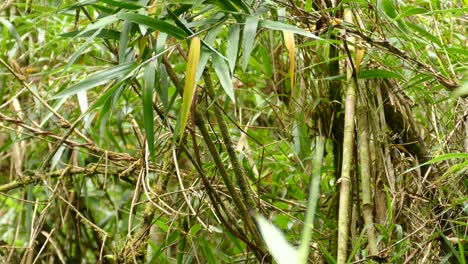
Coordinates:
(190,84)
(122,4)
(290,45)
(13,32)
(278,246)
(447,157)
(222,70)
(99,78)
(248,39)
(233,46)
(274,25)
(359,56)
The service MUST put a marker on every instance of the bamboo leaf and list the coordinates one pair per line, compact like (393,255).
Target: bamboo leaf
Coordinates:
(99,78)
(359,56)
(265,58)
(378,73)
(103,33)
(205,52)
(122,4)
(290,45)
(233,46)
(123,41)
(190,84)
(274,25)
(80,50)
(147,99)
(387,7)
(276,243)
(248,38)
(13,32)
(447,157)
(98,24)
(222,70)
(154,24)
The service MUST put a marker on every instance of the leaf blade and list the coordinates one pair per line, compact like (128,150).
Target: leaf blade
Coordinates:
(147,99)
(154,24)
(248,38)
(97,79)
(190,83)
(222,70)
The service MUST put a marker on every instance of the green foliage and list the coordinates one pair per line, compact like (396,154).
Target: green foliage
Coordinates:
(123,172)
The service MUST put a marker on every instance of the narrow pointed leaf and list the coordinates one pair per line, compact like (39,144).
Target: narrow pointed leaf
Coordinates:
(153,23)
(378,73)
(282,26)
(80,50)
(99,78)
(124,41)
(147,98)
(290,45)
(276,243)
(222,70)
(233,46)
(205,52)
(103,33)
(122,4)
(190,84)
(248,39)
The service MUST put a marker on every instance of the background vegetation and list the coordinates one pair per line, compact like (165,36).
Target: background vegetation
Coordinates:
(158,131)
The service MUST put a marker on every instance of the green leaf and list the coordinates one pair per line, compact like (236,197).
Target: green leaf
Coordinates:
(105,97)
(248,38)
(378,73)
(98,24)
(205,52)
(412,11)
(387,7)
(99,78)
(122,4)
(447,157)
(147,98)
(77,5)
(223,5)
(80,50)
(207,252)
(274,25)
(124,41)
(266,63)
(154,24)
(425,34)
(13,32)
(233,46)
(222,70)
(103,33)
(162,87)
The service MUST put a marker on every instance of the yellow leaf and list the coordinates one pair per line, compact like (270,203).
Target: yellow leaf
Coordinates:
(359,56)
(290,45)
(190,85)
